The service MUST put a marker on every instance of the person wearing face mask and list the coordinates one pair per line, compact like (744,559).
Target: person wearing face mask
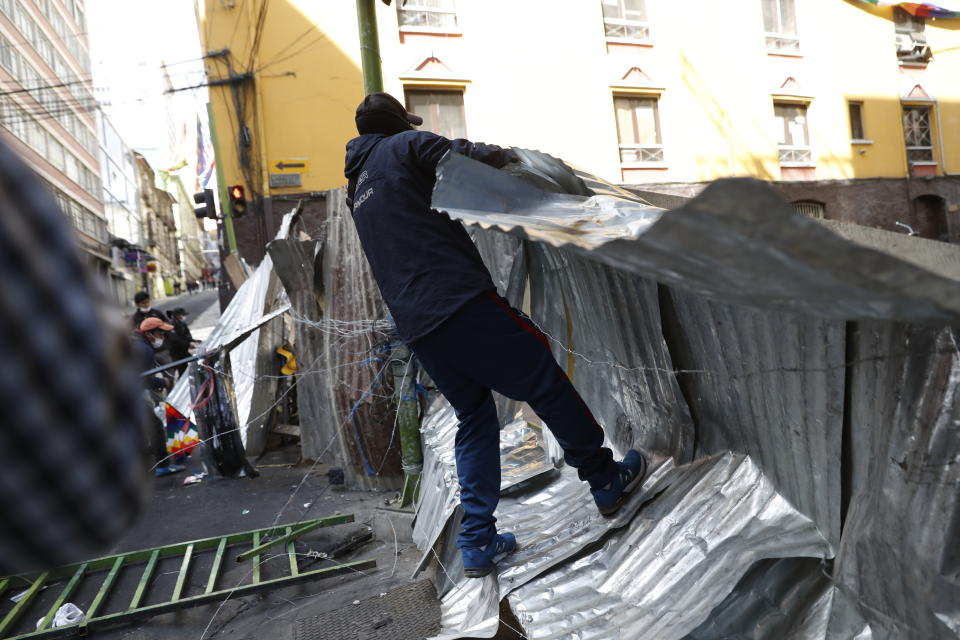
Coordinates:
(147,342)
(144,310)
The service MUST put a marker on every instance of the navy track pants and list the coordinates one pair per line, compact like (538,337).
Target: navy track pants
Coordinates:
(488,345)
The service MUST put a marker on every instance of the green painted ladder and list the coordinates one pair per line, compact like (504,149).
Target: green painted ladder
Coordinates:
(258,541)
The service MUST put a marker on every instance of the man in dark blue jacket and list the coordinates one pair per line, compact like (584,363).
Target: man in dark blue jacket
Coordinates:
(465,336)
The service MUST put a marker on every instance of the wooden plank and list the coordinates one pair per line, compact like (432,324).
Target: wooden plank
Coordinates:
(17,611)
(182,577)
(66,593)
(215,569)
(104,588)
(144,580)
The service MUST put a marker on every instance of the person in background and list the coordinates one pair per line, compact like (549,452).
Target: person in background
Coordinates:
(180,339)
(147,341)
(144,310)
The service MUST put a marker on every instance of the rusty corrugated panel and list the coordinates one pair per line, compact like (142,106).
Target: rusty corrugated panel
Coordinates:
(356,340)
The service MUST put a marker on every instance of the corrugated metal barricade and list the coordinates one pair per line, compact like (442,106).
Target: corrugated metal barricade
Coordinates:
(803,378)
(342,342)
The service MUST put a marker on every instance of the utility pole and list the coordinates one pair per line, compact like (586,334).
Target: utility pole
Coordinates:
(222,185)
(369,46)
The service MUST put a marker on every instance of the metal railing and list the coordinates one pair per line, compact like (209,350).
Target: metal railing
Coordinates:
(795,155)
(641,153)
(627,29)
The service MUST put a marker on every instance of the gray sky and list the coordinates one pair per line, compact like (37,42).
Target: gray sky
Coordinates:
(129,40)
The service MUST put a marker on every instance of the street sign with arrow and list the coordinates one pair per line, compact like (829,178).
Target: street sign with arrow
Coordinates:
(291,165)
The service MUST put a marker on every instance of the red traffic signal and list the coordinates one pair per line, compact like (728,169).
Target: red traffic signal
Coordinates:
(238,200)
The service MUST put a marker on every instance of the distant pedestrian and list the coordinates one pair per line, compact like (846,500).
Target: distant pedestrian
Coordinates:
(144,310)
(176,288)
(179,340)
(147,342)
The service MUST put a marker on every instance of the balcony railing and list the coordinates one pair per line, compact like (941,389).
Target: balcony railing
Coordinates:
(639,153)
(782,42)
(627,29)
(795,155)
(430,17)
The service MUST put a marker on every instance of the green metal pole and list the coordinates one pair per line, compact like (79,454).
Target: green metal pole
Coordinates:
(408,422)
(221,185)
(369,46)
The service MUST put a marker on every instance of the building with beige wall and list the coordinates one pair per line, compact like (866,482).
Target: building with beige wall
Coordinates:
(159,231)
(46,112)
(636,91)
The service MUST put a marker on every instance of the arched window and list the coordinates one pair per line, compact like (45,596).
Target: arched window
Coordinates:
(809,208)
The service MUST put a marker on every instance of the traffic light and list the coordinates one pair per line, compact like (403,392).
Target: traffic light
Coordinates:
(208,208)
(238,200)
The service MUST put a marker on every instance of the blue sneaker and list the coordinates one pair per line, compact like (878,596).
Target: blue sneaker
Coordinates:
(479,561)
(630,475)
(168,469)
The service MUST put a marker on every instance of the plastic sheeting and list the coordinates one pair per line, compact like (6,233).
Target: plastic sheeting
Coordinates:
(256,297)
(731,327)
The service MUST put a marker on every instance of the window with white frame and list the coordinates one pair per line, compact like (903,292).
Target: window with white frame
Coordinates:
(638,129)
(917,133)
(793,136)
(442,111)
(433,14)
(780,25)
(626,19)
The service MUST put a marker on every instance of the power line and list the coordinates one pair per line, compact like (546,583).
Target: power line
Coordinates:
(295,53)
(292,43)
(258,32)
(87,81)
(42,87)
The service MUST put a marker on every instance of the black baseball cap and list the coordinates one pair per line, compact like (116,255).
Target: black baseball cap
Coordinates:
(382,113)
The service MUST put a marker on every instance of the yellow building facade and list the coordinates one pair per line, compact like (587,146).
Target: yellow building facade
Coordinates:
(636,91)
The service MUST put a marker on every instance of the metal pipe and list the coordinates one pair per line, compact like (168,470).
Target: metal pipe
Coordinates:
(369,46)
(408,421)
(943,152)
(222,184)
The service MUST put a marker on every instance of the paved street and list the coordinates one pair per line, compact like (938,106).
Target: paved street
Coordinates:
(202,308)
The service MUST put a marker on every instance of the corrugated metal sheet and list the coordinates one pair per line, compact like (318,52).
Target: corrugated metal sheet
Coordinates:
(735,242)
(771,385)
(845,436)
(900,549)
(661,576)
